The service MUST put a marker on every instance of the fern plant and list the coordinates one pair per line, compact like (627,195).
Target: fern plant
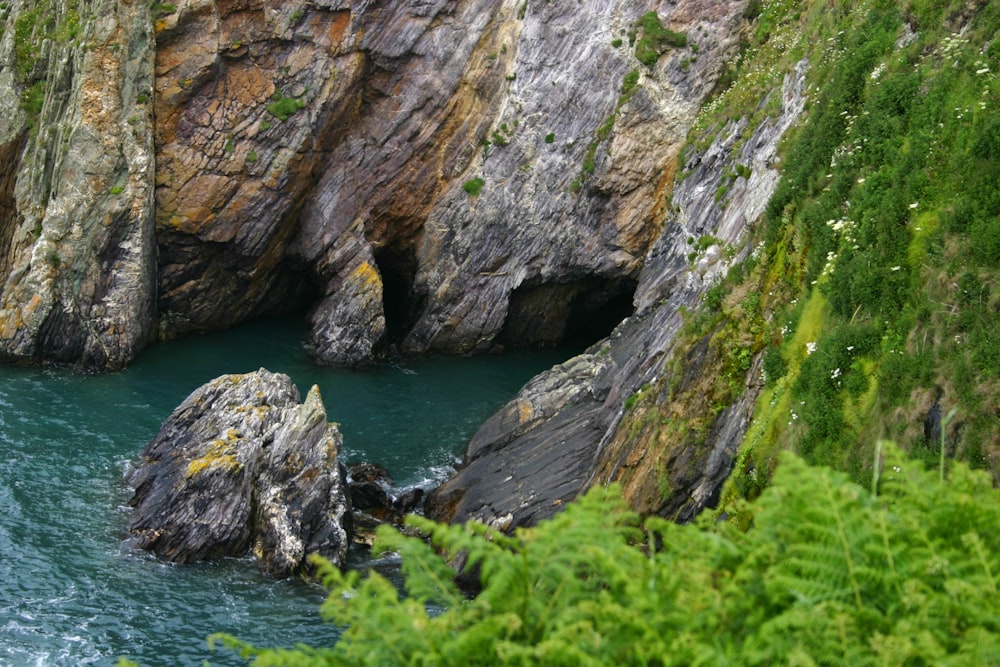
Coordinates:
(829,573)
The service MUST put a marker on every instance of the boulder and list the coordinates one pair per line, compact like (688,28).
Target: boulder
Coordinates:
(242,465)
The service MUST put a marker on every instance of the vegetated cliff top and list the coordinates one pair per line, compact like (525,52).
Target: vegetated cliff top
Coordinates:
(872,292)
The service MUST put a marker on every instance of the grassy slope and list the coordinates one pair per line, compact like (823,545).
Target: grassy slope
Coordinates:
(878,280)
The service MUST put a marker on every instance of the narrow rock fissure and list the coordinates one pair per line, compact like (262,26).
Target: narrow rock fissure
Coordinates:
(578,313)
(9,217)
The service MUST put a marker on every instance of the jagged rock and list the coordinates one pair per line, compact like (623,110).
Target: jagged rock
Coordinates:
(241,465)
(408,500)
(369,496)
(77,255)
(570,428)
(368,472)
(372,503)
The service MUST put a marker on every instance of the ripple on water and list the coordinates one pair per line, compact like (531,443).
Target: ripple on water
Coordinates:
(72,594)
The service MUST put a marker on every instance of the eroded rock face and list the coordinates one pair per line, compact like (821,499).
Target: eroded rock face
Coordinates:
(242,466)
(77,264)
(249,95)
(576,178)
(317,154)
(571,427)
(356,197)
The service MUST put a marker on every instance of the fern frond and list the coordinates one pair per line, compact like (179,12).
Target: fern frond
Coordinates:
(428,576)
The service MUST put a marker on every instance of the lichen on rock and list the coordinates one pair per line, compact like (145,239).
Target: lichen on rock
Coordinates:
(241,466)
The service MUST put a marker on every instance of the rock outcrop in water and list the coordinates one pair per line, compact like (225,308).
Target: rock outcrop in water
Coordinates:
(242,466)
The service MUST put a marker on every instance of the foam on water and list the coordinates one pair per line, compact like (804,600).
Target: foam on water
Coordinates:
(73,593)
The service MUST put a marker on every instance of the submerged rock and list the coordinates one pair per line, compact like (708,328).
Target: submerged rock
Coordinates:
(374,503)
(241,465)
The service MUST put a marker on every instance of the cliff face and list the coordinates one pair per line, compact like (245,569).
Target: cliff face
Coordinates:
(76,182)
(597,418)
(446,176)
(353,192)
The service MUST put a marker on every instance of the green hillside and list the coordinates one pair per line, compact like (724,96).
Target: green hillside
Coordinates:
(874,298)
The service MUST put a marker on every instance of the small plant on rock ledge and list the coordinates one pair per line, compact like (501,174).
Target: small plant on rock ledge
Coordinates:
(283,107)
(473,186)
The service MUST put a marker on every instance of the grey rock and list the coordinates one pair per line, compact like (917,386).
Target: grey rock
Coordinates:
(77,268)
(242,466)
(568,428)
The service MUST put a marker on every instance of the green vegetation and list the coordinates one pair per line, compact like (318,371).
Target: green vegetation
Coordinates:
(282,107)
(59,22)
(630,84)
(871,294)
(656,39)
(473,186)
(902,571)
(160,9)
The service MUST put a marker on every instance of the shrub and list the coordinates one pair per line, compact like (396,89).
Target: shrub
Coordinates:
(774,365)
(829,573)
(473,186)
(283,107)
(656,39)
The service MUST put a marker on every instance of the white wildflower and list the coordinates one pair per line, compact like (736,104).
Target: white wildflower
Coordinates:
(914,205)
(810,347)
(835,374)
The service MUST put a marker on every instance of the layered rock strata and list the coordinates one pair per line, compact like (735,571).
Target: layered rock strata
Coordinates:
(241,466)
(78,260)
(362,193)
(451,175)
(571,427)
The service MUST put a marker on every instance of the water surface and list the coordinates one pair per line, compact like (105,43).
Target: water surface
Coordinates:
(72,594)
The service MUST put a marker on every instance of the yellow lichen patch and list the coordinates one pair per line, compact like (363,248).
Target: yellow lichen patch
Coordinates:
(367,274)
(220,455)
(524,412)
(10,322)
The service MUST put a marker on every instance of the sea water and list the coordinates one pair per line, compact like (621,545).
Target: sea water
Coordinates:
(72,592)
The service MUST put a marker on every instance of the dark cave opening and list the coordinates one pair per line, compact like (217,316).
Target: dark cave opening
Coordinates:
(398,268)
(576,313)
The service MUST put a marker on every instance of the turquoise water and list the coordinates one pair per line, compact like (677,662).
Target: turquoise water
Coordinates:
(71,593)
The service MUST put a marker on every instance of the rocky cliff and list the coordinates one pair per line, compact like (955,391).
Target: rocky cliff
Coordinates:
(443,176)
(436,176)
(78,260)
(621,412)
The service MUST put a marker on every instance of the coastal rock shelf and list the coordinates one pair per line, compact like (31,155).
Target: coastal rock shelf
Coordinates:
(242,465)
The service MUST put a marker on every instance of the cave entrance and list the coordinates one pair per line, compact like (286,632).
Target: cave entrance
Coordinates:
(401,309)
(577,313)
